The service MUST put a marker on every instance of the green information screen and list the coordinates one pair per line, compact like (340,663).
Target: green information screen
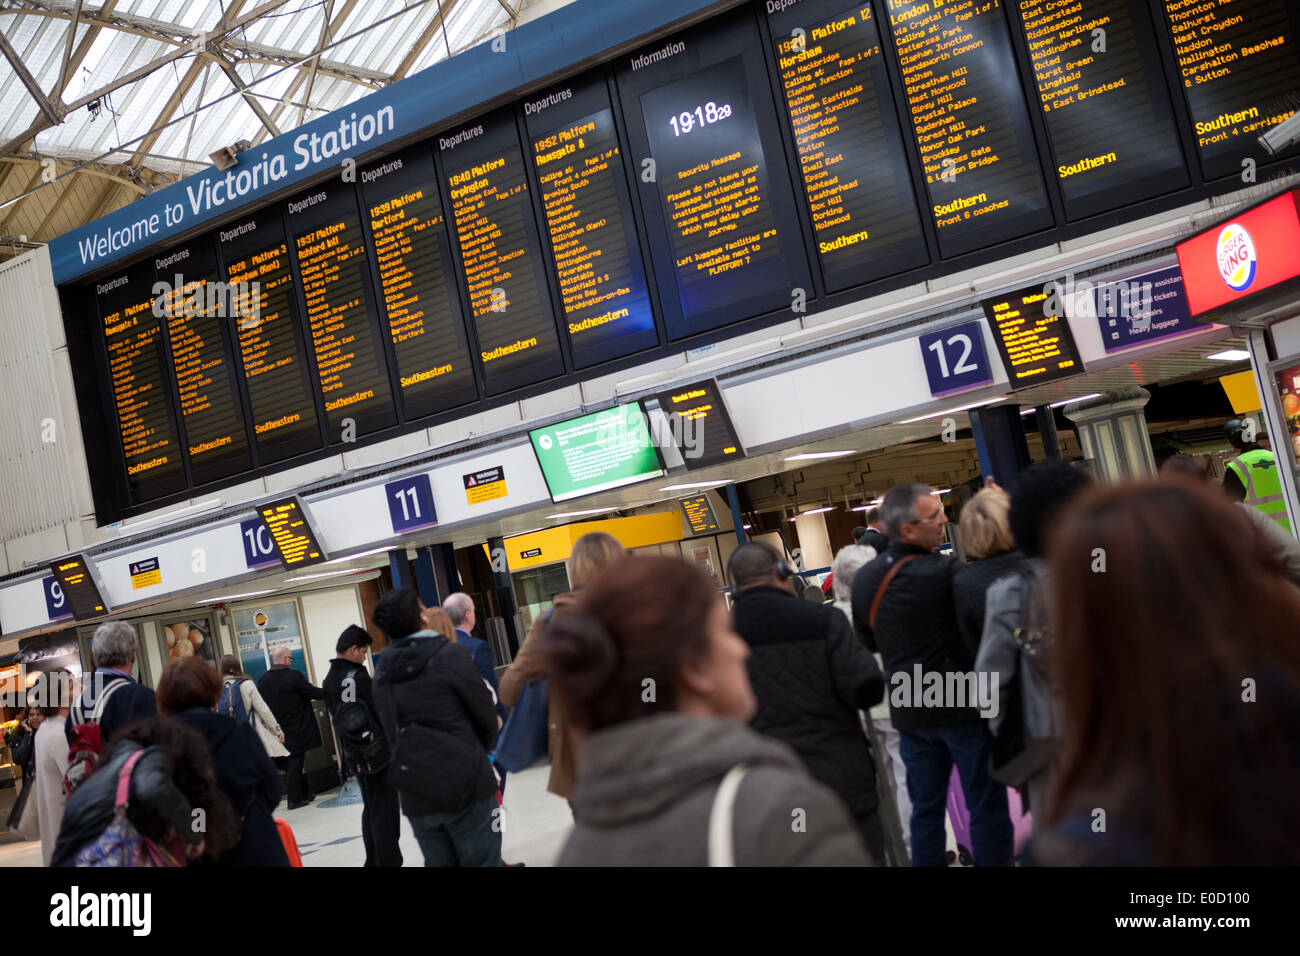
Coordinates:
(603,450)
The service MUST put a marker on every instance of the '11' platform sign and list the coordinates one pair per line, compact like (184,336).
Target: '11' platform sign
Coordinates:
(410,503)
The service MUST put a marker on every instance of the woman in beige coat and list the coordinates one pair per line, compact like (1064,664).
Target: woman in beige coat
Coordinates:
(591,553)
(259,715)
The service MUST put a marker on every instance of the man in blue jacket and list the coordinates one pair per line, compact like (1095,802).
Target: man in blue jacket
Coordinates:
(460,608)
(111,696)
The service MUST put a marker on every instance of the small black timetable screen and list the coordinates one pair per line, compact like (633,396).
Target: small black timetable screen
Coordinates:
(412,256)
(265,320)
(500,254)
(1096,68)
(331,252)
(194,305)
(146,423)
(1033,336)
(587,207)
(296,542)
(850,147)
(700,426)
(1235,59)
(77,580)
(970,121)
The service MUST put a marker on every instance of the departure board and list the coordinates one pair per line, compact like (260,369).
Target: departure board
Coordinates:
(500,254)
(1236,58)
(587,207)
(1033,336)
(855,175)
(281,405)
(77,578)
(699,514)
(138,379)
(296,542)
(700,425)
(351,367)
(720,197)
(1096,68)
(195,306)
(412,256)
(970,121)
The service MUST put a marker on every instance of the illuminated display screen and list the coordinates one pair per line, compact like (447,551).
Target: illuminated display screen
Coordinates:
(1033,336)
(597,452)
(195,307)
(1236,58)
(859,194)
(350,364)
(720,192)
(296,542)
(138,375)
(412,257)
(500,254)
(700,426)
(1096,67)
(970,121)
(281,404)
(596,256)
(699,514)
(80,589)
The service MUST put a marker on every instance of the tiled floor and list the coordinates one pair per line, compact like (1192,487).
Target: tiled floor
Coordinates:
(535,824)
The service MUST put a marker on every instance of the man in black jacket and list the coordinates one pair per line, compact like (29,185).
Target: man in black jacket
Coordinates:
(111,697)
(289,695)
(903,608)
(811,676)
(347,680)
(440,723)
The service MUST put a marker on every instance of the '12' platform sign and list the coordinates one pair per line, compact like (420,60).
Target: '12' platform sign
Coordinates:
(955,358)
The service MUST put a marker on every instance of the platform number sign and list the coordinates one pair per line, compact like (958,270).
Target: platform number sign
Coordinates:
(259,548)
(955,358)
(56,603)
(410,503)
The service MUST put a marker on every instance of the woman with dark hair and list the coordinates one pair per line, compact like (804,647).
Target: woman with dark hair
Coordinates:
(591,554)
(55,690)
(171,779)
(188,690)
(648,669)
(1179,675)
(250,704)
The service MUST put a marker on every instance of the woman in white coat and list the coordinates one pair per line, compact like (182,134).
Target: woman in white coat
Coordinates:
(259,715)
(56,691)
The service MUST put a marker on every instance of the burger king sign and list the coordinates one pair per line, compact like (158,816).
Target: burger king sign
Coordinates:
(1252,251)
(1235,251)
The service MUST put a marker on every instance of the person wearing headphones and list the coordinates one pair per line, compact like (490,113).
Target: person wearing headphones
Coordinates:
(1252,476)
(811,675)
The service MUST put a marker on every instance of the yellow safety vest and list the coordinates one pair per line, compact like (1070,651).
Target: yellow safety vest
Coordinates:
(1258,474)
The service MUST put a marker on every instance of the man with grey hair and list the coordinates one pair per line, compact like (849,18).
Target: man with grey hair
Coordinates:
(289,695)
(460,608)
(111,698)
(903,607)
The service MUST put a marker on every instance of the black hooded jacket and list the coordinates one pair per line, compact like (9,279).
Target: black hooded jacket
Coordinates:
(440,723)
(250,782)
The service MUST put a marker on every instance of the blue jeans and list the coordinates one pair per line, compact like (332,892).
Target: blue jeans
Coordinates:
(929,756)
(464,838)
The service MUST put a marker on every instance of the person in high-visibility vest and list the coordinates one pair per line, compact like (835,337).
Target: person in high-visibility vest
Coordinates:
(1252,476)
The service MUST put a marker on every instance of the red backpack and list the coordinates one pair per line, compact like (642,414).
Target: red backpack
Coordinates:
(87,740)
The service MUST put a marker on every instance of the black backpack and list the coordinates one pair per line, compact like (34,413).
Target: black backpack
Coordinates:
(362,737)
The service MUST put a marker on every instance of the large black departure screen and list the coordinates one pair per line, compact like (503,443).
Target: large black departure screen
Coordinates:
(282,406)
(855,179)
(412,258)
(971,124)
(500,253)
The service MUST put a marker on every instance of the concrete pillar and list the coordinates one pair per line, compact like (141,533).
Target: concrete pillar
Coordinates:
(1112,430)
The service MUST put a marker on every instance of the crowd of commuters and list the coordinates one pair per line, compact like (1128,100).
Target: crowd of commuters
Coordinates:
(1123,657)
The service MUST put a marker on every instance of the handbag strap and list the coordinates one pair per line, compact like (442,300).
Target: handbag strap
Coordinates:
(124,780)
(722,848)
(880,591)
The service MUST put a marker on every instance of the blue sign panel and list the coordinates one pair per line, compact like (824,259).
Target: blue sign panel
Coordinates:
(56,604)
(1138,310)
(955,358)
(259,548)
(410,503)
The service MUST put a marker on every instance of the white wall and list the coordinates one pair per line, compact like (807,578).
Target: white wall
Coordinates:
(326,613)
